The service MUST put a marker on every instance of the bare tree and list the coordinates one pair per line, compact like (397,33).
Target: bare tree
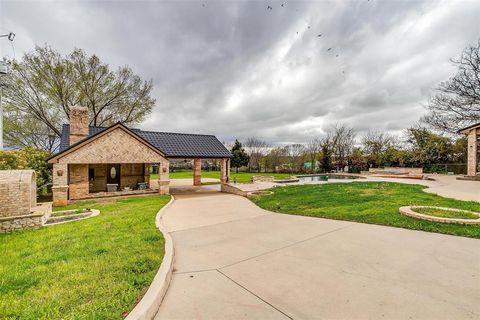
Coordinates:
(456,103)
(296,153)
(313,150)
(275,158)
(256,149)
(343,143)
(44,84)
(375,144)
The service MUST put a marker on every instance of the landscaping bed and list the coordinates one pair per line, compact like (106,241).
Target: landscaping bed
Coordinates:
(367,202)
(95,268)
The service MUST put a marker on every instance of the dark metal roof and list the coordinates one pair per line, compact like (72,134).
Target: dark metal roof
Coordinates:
(179,145)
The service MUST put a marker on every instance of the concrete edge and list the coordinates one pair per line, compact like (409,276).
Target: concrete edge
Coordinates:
(150,303)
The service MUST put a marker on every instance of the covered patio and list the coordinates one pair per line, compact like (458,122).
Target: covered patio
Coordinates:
(98,162)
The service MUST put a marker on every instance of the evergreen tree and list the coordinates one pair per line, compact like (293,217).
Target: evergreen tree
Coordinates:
(240,157)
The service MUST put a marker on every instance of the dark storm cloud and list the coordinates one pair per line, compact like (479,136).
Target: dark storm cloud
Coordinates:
(236,69)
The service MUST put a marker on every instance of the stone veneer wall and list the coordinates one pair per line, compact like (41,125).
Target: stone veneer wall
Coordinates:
(472,152)
(78,181)
(116,146)
(131,173)
(18,192)
(78,118)
(396,170)
(18,201)
(35,220)
(164,177)
(197,172)
(228,188)
(99,182)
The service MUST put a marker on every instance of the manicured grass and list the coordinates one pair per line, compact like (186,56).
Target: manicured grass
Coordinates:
(242,177)
(367,202)
(96,268)
(437,212)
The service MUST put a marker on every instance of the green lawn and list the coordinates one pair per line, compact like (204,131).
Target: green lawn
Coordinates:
(96,268)
(367,202)
(242,177)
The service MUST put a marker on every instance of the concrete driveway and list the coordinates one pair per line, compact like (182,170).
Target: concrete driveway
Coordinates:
(234,260)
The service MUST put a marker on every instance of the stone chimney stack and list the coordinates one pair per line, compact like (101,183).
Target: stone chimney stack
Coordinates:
(78,124)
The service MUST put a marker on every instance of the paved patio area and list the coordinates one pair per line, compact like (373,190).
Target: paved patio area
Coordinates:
(234,260)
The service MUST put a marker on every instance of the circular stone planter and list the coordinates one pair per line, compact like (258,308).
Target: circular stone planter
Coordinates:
(409,211)
(259,193)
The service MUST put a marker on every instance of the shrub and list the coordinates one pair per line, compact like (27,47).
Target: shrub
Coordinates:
(27,158)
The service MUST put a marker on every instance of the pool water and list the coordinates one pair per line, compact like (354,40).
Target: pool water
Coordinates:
(323,177)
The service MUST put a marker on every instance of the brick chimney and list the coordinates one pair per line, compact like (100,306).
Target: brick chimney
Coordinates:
(78,124)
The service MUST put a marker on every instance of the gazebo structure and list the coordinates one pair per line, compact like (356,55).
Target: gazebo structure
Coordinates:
(473,134)
(110,161)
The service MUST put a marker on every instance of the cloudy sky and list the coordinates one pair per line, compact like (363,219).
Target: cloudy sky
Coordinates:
(237,69)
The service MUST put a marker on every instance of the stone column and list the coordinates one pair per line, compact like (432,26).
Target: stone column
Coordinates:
(472,153)
(197,172)
(228,170)
(79,185)
(223,171)
(60,184)
(164,179)
(146,174)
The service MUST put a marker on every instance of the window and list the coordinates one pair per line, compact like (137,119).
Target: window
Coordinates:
(113,173)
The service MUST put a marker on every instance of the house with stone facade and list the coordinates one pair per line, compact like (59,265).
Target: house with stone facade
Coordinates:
(109,161)
(473,136)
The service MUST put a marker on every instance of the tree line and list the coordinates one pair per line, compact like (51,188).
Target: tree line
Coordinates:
(340,149)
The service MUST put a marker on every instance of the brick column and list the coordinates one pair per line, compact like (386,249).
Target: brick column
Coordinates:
(223,170)
(79,186)
(146,174)
(60,184)
(197,172)
(228,170)
(472,153)
(164,178)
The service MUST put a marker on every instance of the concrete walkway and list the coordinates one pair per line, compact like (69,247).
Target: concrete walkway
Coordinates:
(234,260)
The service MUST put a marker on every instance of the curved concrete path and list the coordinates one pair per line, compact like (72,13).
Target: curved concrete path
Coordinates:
(234,260)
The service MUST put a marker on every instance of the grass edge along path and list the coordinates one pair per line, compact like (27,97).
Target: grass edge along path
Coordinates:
(366,202)
(97,268)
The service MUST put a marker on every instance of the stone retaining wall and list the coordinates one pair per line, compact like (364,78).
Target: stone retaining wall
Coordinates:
(35,220)
(263,178)
(228,188)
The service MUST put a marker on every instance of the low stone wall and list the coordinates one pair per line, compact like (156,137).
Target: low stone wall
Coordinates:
(263,178)
(35,220)
(395,170)
(228,188)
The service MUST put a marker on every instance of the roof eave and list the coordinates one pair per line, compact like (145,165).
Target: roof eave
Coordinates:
(467,129)
(92,137)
